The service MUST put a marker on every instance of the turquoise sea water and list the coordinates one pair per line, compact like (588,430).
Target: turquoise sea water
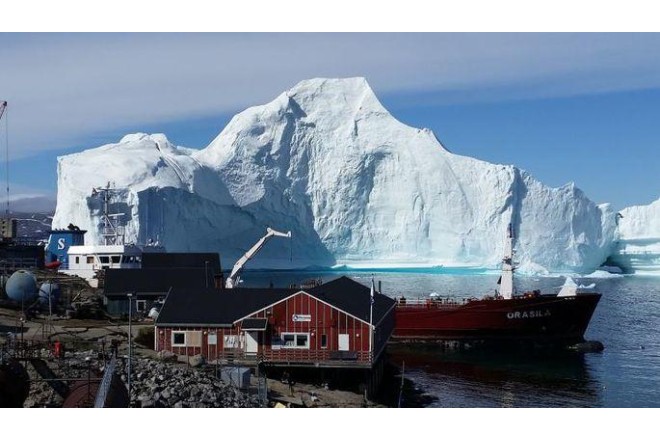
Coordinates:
(626,321)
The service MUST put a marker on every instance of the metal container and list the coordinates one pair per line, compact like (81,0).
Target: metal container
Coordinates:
(236,376)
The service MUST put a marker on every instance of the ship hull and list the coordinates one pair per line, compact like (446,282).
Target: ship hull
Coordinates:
(544,318)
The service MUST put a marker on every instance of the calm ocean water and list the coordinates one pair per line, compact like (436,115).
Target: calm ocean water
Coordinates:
(626,321)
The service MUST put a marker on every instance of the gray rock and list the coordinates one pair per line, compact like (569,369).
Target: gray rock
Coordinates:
(167,356)
(196,360)
(589,346)
(147,403)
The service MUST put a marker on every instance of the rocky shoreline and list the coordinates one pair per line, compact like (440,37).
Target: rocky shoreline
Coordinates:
(160,384)
(154,383)
(167,383)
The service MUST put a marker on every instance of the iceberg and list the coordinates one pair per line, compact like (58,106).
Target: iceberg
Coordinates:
(637,248)
(354,185)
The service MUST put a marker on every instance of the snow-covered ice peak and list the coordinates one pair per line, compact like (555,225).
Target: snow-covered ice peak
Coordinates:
(338,107)
(325,97)
(138,161)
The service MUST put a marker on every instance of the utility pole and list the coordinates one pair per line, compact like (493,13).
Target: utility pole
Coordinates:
(371,319)
(130,342)
(3,108)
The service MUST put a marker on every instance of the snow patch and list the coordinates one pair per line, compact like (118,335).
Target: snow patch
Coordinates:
(600,274)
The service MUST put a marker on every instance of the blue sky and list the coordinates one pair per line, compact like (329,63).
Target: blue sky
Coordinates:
(565,107)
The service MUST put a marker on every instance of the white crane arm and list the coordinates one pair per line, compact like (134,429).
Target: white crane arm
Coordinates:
(238,266)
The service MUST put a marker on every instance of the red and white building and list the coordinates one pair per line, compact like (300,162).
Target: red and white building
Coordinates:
(337,324)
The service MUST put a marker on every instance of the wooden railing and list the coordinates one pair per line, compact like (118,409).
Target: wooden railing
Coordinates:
(301,356)
(439,303)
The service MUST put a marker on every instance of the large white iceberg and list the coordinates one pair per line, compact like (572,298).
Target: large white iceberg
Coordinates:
(354,185)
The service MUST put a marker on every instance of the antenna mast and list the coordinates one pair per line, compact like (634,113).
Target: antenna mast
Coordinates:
(506,287)
(3,108)
(113,234)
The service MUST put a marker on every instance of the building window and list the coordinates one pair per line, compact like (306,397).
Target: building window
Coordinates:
(140,305)
(295,340)
(115,259)
(77,259)
(104,259)
(90,259)
(231,341)
(178,338)
(324,341)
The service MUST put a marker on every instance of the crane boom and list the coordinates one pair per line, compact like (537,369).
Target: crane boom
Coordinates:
(232,280)
(3,106)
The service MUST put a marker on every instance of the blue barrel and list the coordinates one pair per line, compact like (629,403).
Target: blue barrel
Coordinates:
(49,290)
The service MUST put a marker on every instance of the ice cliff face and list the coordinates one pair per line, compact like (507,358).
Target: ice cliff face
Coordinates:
(638,247)
(164,194)
(354,185)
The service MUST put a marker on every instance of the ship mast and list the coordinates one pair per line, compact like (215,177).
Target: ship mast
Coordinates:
(113,234)
(506,280)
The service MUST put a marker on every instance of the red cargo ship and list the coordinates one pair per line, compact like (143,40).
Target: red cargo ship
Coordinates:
(532,316)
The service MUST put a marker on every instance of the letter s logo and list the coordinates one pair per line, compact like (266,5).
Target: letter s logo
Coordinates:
(60,243)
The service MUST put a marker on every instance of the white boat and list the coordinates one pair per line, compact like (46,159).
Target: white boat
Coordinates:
(86,260)
(66,250)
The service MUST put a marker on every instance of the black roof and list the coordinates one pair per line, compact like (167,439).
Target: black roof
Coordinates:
(181,260)
(353,297)
(190,306)
(154,280)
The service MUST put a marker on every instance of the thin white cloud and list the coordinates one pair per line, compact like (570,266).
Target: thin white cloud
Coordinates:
(19,191)
(65,88)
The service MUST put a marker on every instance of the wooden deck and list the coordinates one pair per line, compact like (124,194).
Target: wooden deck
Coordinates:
(300,358)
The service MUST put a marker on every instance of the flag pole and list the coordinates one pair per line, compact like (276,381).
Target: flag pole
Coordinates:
(371,316)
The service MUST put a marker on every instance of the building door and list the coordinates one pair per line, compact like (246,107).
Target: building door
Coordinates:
(251,342)
(343,342)
(212,346)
